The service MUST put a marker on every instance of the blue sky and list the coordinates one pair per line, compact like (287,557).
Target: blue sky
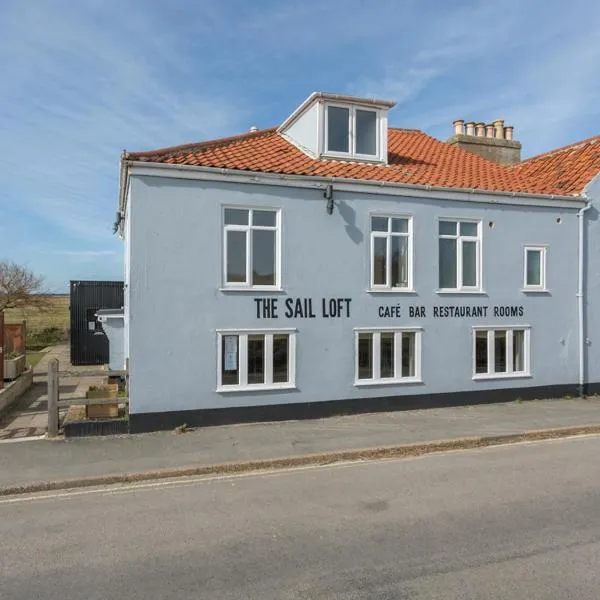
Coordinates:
(81,81)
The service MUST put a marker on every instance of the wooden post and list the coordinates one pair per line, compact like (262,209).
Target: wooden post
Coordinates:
(53,397)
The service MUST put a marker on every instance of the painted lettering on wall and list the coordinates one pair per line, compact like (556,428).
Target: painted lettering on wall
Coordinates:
(397,311)
(303,308)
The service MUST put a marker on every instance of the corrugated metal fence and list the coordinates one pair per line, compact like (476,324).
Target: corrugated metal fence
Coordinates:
(89,344)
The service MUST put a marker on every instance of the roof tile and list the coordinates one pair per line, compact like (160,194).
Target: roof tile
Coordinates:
(414,157)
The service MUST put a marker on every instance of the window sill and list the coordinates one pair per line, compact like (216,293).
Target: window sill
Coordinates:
(255,388)
(485,377)
(376,382)
(390,291)
(256,288)
(366,158)
(461,292)
(535,291)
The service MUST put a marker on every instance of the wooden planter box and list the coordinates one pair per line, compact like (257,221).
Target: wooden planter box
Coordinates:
(13,367)
(103,411)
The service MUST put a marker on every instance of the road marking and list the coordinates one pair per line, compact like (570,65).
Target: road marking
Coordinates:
(115,489)
(29,438)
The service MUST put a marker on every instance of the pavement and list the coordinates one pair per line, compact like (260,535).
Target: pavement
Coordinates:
(28,417)
(53,464)
(516,521)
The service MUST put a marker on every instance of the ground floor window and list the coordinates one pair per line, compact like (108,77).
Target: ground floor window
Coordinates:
(256,359)
(501,352)
(387,355)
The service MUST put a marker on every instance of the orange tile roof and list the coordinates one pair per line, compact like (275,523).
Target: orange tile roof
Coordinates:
(568,169)
(413,156)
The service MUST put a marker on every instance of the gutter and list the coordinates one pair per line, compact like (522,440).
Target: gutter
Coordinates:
(580,299)
(351,185)
(123,182)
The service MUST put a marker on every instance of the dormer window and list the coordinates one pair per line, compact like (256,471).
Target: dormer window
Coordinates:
(340,127)
(351,131)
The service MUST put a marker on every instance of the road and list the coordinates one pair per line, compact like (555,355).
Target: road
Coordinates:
(519,521)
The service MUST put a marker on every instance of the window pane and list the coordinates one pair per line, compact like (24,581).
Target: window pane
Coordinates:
(280,358)
(264,218)
(518,351)
(230,372)
(236,216)
(379,223)
(379,261)
(236,256)
(469,229)
(447,263)
(534,267)
(337,129)
(263,257)
(500,351)
(366,132)
(365,355)
(386,355)
(400,225)
(408,354)
(399,261)
(469,260)
(448,227)
(481,352)
(256,359)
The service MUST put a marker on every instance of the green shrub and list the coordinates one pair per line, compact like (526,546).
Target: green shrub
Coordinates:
(45,337)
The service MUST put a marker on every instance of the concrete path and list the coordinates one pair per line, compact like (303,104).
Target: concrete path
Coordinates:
(46,460)
(29,416)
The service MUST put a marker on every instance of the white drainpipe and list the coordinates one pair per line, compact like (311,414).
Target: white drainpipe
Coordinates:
(580,303)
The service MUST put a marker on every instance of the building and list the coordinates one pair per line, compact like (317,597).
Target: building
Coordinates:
(335,264)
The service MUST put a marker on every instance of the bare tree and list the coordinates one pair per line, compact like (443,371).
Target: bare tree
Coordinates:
(20,287)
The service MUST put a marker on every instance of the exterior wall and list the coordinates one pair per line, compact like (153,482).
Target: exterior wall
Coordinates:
(127,274)
(304,131)
(176,304)
(114,328)
(592,286)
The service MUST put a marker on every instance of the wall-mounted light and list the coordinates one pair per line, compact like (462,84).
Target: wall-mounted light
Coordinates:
(328,195)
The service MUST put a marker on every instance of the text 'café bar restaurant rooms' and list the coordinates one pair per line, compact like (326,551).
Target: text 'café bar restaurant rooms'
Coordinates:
(335,264)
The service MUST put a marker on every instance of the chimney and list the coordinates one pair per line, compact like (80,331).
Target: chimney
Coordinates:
(493,141)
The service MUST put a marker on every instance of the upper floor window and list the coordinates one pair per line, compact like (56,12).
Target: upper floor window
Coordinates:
(391,253)
(352,131)
(251,248)
(459,255)
(534,271)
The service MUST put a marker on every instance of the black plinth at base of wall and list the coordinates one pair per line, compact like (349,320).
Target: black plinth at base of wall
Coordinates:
(96,427)
(144,422)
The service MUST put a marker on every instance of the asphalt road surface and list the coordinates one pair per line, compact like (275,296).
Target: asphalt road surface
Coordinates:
(518,521)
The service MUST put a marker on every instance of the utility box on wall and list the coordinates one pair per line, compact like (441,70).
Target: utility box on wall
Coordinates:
(89,344)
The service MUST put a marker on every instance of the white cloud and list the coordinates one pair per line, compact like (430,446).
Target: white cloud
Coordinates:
(80,83)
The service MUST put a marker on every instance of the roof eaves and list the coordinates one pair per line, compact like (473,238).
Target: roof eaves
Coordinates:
(171,150)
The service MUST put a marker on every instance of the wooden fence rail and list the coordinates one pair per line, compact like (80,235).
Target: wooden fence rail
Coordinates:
(88,401)
(54,403)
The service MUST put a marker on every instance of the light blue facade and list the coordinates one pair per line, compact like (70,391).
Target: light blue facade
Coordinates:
(175,302)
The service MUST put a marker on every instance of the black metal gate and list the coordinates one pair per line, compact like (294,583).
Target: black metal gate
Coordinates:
(89,344)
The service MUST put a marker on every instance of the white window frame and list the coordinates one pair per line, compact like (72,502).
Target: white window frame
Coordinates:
(459,254)
(388,236)
(542,249)
(491,352)
(243,384)
(241,285)
(376,358)
(381,135)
